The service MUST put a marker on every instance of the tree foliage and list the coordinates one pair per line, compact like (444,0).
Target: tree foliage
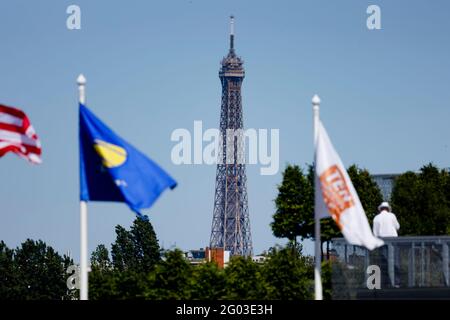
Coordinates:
(294,206)
(8,274)
(135,253)
(33,271)
(208,282)
(171,278)
(421,202)
(288,274)
(136,271)
(100,258)
(136,249)
(252,287)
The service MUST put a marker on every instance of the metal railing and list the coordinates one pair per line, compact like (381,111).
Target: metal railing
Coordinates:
(404,262)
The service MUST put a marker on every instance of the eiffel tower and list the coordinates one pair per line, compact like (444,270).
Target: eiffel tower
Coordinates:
(231,222)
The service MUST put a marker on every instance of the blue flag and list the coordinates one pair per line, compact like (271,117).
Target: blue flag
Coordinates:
(113,170)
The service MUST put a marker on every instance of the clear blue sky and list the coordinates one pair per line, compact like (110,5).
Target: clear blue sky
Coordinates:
(152,67)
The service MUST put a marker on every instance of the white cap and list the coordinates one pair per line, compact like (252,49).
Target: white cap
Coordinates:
(384,205)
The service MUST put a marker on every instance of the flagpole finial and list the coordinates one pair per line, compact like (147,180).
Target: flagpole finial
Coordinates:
(316,100)
(81,80)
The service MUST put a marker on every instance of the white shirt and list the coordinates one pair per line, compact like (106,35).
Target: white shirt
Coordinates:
(385,224)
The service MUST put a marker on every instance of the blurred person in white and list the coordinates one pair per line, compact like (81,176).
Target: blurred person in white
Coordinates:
(385,223)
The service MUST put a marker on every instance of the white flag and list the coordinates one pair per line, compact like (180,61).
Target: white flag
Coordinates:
(336,197)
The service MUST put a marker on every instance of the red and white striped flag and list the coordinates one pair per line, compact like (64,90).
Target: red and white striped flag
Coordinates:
(17,135)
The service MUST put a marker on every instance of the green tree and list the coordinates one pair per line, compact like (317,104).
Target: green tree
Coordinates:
(102,278)
(146,247)
(288,274)
(326,278)
(135,253)
(100,258)
(103,284)
(171,279)
(122,251)
(421,202)
(8,273)
(40,272)
(294,206)
(130,285)
(208,282)
(137,249)
(244,280)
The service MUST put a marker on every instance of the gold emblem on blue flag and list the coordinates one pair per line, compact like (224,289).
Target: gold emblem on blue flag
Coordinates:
(111,154)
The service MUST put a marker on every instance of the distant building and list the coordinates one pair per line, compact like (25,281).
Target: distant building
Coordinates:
(386,183)
(218,255)
(196,256)
(259,259)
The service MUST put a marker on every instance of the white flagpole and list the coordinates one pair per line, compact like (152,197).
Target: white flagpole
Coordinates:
(81,80)
(318,251)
